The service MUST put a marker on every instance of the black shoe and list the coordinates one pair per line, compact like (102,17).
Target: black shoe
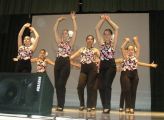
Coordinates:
(81,108)
(59,109)
(106,111)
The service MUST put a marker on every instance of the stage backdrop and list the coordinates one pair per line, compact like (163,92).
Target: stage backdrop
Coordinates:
(130,24)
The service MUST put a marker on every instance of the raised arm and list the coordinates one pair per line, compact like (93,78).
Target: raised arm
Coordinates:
(147,64)
(73,16)
(135,39)
(57,36)
(126,40)
(98,27)
(115,28)
(21,33)
(36,39)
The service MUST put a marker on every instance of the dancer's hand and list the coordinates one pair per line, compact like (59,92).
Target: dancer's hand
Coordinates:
(27,25)
(73,15)
(61,18)
(153,65)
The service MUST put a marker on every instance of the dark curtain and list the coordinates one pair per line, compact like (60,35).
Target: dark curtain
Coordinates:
(65,6)
(53,6)
(122,5)
(156,54)
(9,28)
(37,6)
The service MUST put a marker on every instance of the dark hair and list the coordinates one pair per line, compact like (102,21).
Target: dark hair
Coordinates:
(109,30)
(89,36)
(43,50)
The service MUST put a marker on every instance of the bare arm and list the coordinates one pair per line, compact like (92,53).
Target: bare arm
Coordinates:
(97,53)
(35,43)
(34,59)
(126,40)
(73,16)
(77,65)
(50,61)
(21,33)
(98,27)
(115,28)
(76,54)
(118,60)
(147,64)
(57,36)
(135,39)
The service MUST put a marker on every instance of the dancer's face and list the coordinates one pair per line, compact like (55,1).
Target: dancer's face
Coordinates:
(107,36)
(90,40)
(27,41)
(131,50)
(65,34)
(42,54)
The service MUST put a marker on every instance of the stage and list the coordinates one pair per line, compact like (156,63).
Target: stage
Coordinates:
(74,114)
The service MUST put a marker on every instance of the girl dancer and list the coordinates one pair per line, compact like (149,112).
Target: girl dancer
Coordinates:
(107,62)
(42,61)
(25,49)
(88,56)
(129,74)
(62,63)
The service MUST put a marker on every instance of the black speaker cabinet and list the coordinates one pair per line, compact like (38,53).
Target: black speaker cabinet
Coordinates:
(26,93)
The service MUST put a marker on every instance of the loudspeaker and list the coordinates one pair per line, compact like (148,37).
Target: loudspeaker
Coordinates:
(26,93)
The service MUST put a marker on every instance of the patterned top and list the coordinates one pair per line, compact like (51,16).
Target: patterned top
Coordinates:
(64,49)
(106,52)
(129,64)
(41,65)
(24,53)
(87,55)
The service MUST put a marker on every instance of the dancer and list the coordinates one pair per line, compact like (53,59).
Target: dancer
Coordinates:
(107,62)
(62,63)
(129,75)
(25,49)
(88,56)
(42,61)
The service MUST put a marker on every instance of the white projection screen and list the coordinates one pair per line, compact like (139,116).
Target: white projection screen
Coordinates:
(130,24)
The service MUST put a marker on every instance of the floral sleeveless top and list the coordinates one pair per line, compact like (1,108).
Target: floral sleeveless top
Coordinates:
(106,52)
(64,49)
(24,53)
(129,64)
(41,66)
(87,55)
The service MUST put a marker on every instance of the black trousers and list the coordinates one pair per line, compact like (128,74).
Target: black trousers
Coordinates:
(87,78)
(122,96)
(107,74)
(129,87)
(23,66)
(61,73)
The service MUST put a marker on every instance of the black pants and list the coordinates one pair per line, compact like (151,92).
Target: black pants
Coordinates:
(129,87)
(122,96)
(87,78)
(107,74)
(61,73)
(23,66)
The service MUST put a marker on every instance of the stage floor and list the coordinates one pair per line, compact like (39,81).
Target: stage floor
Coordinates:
(74,114)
